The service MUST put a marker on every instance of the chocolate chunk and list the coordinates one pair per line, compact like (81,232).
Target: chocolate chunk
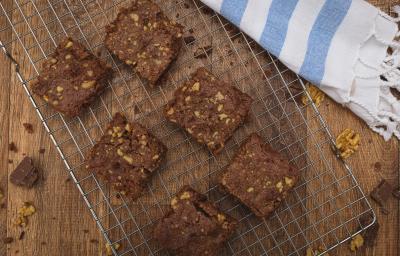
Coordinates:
(259,176)
(71,78)
(189,39)
(25,174)
(209,109)
(94,241)
(371,233)
(42,150)
(28,127)
(12,147)
(8,240)
(382,192)
(21,235)
(193,226)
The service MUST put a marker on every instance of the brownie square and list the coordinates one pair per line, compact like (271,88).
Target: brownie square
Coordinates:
(71,78)
(259,176)
(209,109)
(145,39)
(126,156)
(193,226)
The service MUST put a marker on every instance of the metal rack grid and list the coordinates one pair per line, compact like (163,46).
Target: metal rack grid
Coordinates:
(323,211)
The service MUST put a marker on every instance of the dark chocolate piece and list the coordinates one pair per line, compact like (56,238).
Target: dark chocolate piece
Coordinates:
(25,174)
(126,156)
(193,226)
(8,240)
(381,193)
(259,176)
(371,233)
(71,78)
(145,39)
(21,235)
(189,39)
(12,147)
(208,109)
(28,127)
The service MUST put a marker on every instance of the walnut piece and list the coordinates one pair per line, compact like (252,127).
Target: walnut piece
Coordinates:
(317,96)
(185,195)
(356,242)
(109,251)
(348,142)
(25,211)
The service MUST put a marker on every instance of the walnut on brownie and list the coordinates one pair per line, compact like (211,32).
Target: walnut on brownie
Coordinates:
(259,176)
(71,78)
(126,156)
(193,226)
(208,109)
(144,38)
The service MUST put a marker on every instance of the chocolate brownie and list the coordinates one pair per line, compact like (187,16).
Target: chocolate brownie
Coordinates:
(193,226)
(71,78)
(259,176)
(126,156)
(208,109)
(145,39)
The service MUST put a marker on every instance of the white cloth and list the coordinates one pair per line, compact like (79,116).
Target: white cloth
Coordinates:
(339,45)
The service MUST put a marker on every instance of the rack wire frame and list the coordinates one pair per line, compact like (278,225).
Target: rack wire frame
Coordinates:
(323,211)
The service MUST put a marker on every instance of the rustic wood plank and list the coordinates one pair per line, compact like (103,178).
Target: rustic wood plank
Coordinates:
(62,224)
(5,75)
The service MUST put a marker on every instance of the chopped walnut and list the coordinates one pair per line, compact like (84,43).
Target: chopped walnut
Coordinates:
(196,86)
(289,181)
(69,44)
(317,96)
(347,142)
(174,202)
(250,189)
(356,242)
(170,111)
(279,186)
(88,84)
(185,195)
(25,211)
(221,218)
(109,251)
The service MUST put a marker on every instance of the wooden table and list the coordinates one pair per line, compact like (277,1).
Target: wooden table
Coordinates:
(64,226)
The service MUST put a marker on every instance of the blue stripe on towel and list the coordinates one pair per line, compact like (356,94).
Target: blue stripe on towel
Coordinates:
(319,41)
(274,34)
(233,10)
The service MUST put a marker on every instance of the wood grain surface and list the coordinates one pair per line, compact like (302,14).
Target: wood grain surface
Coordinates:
(64,226)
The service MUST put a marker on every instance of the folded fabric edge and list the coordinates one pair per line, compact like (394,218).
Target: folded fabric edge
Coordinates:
(384,119)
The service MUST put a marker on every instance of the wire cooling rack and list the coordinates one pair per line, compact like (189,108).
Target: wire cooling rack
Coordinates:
(323,211)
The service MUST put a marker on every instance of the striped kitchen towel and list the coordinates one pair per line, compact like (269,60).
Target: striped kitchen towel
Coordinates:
(348,48)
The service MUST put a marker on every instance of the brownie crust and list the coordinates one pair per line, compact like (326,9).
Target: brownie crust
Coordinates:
(145,39)
(126,156)
(193,226)
(209,109)
(259,176)
(71,78)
